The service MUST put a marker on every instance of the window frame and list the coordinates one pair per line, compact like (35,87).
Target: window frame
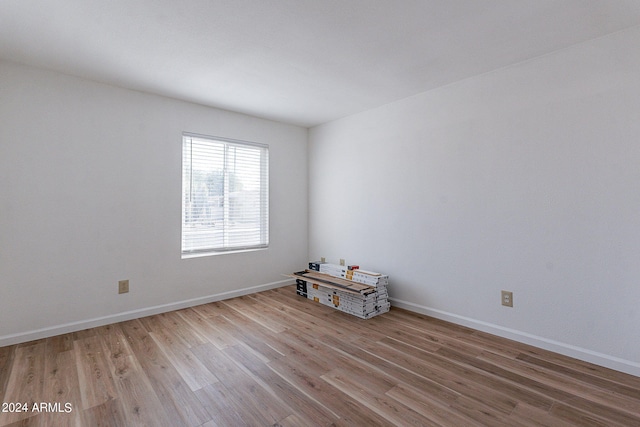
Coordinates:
(264,223)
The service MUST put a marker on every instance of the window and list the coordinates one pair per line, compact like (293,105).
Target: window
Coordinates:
(225,195)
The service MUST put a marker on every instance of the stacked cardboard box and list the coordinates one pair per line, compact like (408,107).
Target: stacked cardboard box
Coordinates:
(352,272)
(363,295)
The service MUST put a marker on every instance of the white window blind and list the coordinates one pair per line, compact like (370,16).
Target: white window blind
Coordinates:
(225,195)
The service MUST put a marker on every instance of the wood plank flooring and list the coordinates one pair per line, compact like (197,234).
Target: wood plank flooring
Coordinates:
(276,359)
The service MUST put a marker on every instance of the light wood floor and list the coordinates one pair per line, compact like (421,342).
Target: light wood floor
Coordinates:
(274,358)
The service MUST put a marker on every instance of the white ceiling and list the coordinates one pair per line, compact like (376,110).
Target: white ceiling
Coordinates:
(304,62)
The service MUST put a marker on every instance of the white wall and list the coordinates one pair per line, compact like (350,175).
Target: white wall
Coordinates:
(524,179)
(90,194)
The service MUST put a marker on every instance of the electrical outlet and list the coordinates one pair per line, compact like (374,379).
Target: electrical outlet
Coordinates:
(342,262)
(123,286)
(507,298)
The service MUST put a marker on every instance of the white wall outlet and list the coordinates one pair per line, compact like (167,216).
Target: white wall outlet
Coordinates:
(507,298)
(123,286)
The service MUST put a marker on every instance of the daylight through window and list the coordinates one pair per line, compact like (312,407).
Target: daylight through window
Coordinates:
(225,195)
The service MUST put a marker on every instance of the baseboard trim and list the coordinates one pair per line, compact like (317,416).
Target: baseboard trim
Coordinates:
(133,314)
(583,354)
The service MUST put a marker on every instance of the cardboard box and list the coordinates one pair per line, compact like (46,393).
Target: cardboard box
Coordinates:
(344,288)
(302,287)
(315,265)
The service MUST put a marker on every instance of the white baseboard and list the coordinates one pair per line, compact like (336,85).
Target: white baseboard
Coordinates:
(133,314)
(584,354)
